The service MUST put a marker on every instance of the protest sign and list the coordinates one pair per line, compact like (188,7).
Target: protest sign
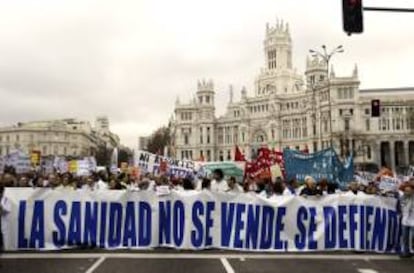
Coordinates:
(45,219)
(319,165)
(156,164)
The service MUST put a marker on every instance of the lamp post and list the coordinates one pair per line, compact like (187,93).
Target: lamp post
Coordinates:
(326,56)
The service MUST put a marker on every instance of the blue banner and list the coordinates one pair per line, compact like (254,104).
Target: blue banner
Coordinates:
(319,165)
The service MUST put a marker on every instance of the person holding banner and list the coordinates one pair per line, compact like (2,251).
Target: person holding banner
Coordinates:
(407,221)
(291,187)
(218,184)
(5,208)
(233,186)
(100,184)
(310,187)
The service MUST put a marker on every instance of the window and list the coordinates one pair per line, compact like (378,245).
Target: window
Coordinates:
(201,135)
(312,79)
(271,56)
(346,122)
(304,128)
(315,146)
(273,134)
(351,111)
(220,136)
(369,152)
(367,112)
(351,93)
(207,99)
(340,93)
(65,150)
(208,135)
(367,125)
(325,125)
(321,78)
(17,138)
(235,134)
(340,112)
(200,99)
(243,139)
(208,155)
(228,155)
(186,139)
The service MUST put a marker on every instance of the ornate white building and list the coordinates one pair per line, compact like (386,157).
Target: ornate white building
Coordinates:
(289,109)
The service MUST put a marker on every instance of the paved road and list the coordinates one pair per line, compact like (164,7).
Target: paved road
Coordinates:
(200,262)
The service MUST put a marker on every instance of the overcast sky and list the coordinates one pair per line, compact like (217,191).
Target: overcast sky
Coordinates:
(129,60)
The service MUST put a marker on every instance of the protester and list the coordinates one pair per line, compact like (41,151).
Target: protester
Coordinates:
(278,187)
(310,187)
(234,187)
(23,182)
(291,187)
(100,183)
(206,184)
(53,181)
(218,184)
(353,187)
(250,185)
(332,188)
(187,184)
(407,221)
(115,184)
(89,184)
(5,207)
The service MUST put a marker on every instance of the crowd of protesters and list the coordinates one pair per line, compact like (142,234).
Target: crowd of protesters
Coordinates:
(266,188)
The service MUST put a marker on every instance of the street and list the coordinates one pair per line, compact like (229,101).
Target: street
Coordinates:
(201,262)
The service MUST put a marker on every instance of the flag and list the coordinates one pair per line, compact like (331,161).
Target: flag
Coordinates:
(114,161)
(238,155)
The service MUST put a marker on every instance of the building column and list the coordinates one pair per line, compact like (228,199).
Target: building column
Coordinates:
(392,155)
(376,153)
(406,149)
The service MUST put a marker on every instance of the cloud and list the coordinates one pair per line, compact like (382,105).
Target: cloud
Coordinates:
(130,60)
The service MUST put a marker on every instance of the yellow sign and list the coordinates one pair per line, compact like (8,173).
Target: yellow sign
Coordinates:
(35,158)
(73,166)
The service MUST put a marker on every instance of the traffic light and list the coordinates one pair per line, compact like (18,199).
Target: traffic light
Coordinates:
(352,16)
(375,108)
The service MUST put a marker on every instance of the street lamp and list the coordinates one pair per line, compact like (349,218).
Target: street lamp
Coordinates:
(327,58)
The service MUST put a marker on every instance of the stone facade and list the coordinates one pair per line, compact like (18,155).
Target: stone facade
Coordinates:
(65,137)
(289,109)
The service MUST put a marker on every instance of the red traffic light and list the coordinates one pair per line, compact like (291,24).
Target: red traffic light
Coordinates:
(352,16)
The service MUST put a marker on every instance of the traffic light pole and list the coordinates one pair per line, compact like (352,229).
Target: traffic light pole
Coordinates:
(387,9)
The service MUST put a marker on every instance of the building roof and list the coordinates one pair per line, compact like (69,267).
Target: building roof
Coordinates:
(381,90)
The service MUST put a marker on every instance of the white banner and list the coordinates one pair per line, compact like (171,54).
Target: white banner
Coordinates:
(151,163)
(55,219)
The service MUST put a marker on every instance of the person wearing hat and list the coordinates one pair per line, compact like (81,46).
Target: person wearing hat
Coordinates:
(407,221)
